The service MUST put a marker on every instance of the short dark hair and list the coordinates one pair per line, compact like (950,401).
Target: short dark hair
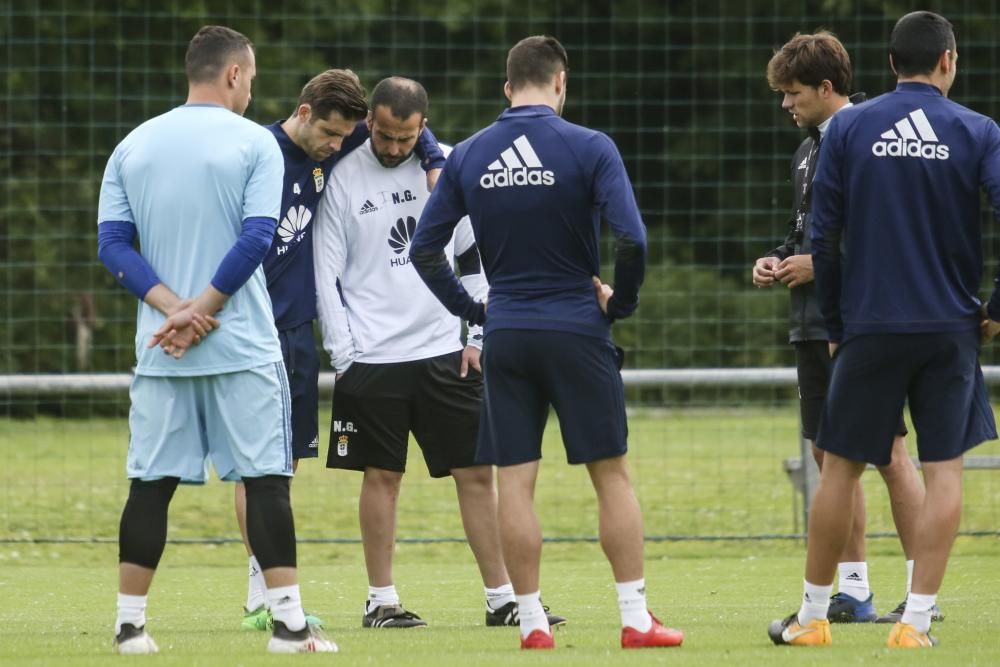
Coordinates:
(811,59)
(534,61)
(211,49)
(337,90)
(917,42)
(403,96)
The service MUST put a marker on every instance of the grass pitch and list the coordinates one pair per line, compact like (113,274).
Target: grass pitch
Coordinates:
(60,606)
(708,472)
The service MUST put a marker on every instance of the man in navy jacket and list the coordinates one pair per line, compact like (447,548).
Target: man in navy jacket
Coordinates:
(813,74)
(897,254)
(535,188)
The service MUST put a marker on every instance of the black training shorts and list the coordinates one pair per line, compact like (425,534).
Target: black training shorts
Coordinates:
(376,406)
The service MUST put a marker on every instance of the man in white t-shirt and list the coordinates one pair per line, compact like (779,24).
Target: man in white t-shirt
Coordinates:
(401,365)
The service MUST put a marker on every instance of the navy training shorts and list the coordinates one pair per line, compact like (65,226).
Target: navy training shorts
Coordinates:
(874,375)
(298,349)
(526,371)
(813,366)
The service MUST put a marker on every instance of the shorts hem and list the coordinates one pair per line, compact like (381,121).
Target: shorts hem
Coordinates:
(156,478)
(360,467)
(507,464)
(962,452)
(600,456)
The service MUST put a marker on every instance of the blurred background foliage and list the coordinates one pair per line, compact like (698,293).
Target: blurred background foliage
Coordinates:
(678,85)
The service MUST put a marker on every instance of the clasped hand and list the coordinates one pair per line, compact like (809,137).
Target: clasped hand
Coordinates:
(183,328)
(792,271)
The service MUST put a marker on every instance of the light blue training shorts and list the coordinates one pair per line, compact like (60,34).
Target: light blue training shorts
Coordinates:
(241,421)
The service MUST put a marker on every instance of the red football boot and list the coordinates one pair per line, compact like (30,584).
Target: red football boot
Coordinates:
(538,639)
(658,635)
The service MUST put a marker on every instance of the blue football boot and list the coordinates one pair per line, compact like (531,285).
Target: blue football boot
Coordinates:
(847,609)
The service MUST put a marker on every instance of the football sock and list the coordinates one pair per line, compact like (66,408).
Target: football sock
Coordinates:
(256,587)
(499,596)
(531,614)
(131,609)
(815,602)
(918,610)
(632,605)
(854,580)
(380,595)
(909,576)
(285,603)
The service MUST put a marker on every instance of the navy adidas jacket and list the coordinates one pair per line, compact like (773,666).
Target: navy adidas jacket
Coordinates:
(896,230)
(535,187)
(288,265)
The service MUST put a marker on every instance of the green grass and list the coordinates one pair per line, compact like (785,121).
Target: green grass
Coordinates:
(698,472)
(707,472)
(60,605)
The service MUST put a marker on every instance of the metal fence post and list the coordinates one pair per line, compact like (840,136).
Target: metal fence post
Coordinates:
(810,477)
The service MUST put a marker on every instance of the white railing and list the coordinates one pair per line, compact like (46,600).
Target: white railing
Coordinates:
(86,383)
(806,476)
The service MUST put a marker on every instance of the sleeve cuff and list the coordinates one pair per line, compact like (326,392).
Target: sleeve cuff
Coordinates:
(618,310)
(993,308)
(475,338)
(477,313)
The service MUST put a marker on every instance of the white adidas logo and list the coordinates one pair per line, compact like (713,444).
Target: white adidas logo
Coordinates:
(520,167)
(913,136)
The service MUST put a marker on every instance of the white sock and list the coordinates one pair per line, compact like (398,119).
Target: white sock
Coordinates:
(131,609)
(256,586)
(854,580)
(909,576)
(632,604)
(918,610)
(285,603)
(380,595)
(531,613)
(815,602)
(499,596)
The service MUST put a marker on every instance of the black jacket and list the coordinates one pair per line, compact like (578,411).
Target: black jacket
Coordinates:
(805,322)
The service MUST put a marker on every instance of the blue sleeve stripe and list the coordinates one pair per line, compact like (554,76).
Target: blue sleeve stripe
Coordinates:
(116,249)
(245,255)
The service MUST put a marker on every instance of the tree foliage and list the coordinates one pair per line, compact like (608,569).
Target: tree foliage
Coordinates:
(679,86)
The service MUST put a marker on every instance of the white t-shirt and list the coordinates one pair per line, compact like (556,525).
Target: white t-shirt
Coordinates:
(384,312)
